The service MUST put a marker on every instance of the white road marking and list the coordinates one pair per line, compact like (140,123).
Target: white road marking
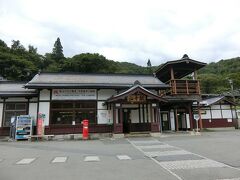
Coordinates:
(91,159)
(172,173)
(123,157)
(59,160)
(191,164)
(230,179)
(167,153)
(146,142)
(26,161)
(161,146)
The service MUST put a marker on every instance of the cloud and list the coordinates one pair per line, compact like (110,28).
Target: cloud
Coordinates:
(124,30)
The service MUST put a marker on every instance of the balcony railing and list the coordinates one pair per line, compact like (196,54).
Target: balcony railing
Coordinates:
(182,87)
(188,87)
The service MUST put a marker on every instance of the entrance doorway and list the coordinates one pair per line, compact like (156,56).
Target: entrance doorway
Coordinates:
(182,122)
(165,121)
(126,120)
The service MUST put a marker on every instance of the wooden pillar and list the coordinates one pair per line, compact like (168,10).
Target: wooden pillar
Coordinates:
(114,118)
(200,118)
(151,113)
(176,128)
(190,116)
(121,115)
(172,74)
(195,75)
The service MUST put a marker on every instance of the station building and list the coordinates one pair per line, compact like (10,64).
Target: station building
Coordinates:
(113,103)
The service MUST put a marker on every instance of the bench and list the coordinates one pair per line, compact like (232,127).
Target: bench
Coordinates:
(40,137)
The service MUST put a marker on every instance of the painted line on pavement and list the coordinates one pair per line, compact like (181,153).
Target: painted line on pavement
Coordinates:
(123,157)
(25,161)
(59,160)
(172,173)
(91,159)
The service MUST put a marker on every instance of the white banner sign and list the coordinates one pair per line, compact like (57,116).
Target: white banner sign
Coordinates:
(74,94)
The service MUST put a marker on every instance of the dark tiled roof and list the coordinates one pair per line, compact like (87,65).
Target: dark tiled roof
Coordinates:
(181,67)
(215,100)
(71,80)
(15,89)
(134,89)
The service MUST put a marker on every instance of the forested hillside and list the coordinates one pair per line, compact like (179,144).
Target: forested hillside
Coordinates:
(217,77)
(21,64)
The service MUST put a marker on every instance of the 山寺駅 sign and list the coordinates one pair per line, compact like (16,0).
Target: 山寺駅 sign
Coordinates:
(73,94)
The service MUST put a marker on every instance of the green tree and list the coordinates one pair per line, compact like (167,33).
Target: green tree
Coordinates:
(32,49)
(57,52)
(17,47)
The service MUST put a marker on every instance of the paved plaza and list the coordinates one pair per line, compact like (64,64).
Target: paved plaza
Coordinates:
(211,156)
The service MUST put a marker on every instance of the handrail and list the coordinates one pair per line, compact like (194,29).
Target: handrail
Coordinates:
(182,86)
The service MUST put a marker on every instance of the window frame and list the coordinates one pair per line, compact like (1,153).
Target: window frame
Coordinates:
(74,110)
(15,111)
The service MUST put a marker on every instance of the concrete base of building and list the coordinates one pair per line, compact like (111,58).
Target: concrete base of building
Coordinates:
(116,136)
(220,129)
(79,136)
(155,134)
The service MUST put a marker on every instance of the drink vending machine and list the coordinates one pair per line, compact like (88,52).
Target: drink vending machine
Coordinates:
(23,127)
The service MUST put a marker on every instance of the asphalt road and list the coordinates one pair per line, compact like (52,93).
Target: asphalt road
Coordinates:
(213,155)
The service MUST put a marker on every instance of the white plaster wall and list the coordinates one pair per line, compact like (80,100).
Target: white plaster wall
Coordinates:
(149,113)
(104,94)
(207,115)
(44,94)
(100,105)
(1,113)
(188,120)
(227,113)
(225,106)
(216,114)
(44,108)
(33,99)
(134,116)
(145,113)
(141,113)
(33,111)
(104,117)
(172,120)
(16,99)
(215,106)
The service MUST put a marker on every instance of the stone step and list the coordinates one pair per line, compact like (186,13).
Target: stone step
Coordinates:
(138,134)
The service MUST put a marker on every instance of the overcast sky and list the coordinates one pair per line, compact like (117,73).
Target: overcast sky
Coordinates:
(126,30)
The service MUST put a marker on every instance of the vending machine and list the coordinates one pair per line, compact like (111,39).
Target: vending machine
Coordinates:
(23,127)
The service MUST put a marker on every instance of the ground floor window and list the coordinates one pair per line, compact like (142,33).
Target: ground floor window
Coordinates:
(70,112)
(13,109)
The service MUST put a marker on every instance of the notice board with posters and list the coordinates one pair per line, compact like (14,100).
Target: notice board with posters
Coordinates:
(23,127)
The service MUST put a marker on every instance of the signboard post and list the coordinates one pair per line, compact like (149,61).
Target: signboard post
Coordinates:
(196,117)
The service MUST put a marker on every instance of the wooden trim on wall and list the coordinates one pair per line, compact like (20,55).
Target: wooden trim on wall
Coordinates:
(4,100)
(143,112)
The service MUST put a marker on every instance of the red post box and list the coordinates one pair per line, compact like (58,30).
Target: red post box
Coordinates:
(85,129)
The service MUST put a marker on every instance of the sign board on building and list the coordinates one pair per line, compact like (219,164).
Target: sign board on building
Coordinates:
(136,98)
(74,94)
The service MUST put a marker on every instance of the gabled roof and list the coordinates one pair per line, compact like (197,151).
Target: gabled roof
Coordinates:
(76,80)
(181,67)
(214,100)
(134,89)
(15,89)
